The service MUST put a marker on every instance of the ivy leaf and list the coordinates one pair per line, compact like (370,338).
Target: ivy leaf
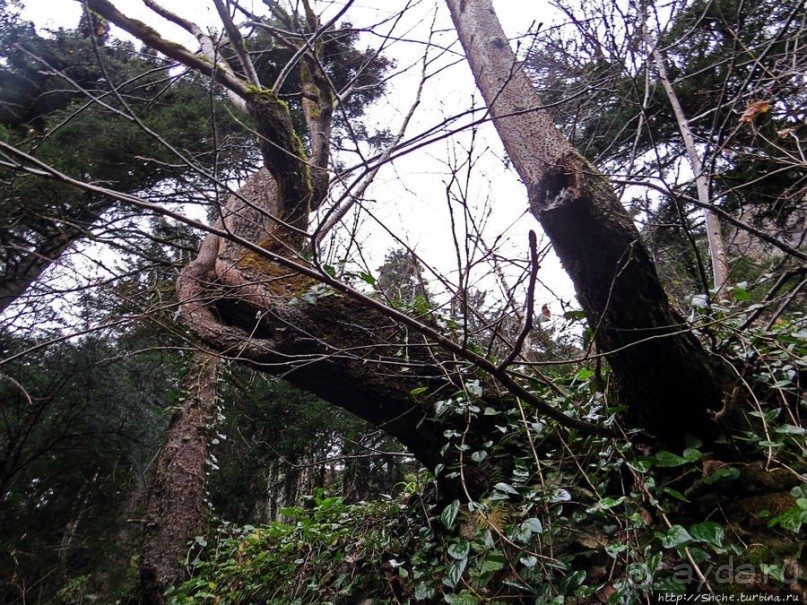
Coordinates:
(642,465)
(665,459)
(675,536)
(464,598)
(692,454)
(533,525)
(789,429)
(459,550)
(613,549)
(455,572)
(740,295)
(494,562)
(479,456)
(473,388)
(423,592)
(560,495)
(506,488)
(709,532)
(675,494)
(608,503)
(449,513)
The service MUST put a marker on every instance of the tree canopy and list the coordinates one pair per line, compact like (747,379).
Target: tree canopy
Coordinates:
(216,313)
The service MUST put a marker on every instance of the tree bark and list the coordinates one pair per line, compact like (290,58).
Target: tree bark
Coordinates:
(249,294)
(175,505)
(668,380)
(326,343)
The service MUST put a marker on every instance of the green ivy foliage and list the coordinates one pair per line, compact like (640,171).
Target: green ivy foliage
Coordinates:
(577,519)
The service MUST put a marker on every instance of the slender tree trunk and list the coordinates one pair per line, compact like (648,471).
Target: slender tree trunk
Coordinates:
(714,234)
(666,377)
(175,500)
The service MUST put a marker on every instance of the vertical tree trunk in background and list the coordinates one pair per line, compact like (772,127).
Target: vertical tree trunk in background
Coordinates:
(175,504)
(665,376)
(714,234)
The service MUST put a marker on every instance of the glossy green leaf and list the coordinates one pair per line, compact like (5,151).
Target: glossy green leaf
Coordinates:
(455,571)
(449,513)
(709,532)
(459,550)
(666,459)
(675,536)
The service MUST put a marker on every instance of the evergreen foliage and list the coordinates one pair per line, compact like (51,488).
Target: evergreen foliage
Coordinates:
(589,521)
(309,504)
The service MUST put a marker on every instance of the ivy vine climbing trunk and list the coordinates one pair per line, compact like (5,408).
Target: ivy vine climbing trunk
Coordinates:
(666,377)
(176,495)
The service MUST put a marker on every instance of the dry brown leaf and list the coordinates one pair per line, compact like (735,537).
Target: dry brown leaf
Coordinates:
(711,466)
(605,593)
(754,108)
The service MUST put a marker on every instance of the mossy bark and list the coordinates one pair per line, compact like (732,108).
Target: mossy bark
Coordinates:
(284,156)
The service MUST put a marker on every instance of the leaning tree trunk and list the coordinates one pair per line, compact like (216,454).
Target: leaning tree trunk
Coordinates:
(176,495)
(57,236)
(669,382)
(252,296)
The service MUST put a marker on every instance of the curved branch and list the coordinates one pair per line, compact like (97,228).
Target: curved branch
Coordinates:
(299,332)
(205,44)
(237,43)
(221,74)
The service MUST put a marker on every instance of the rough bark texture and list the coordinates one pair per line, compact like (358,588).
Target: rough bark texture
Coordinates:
(175,505)
(320,340)
(666,377)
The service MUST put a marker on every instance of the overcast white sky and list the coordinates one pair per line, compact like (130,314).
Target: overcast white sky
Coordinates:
(410,196)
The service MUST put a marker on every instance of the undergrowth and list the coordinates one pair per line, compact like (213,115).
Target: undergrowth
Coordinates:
(577,520)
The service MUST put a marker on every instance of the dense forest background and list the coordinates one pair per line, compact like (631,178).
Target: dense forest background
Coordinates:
(215,385)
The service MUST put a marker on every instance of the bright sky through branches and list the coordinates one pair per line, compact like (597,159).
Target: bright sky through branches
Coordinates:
(416,186)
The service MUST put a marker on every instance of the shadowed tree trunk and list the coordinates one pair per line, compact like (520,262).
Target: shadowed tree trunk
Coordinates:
(175,506)
(669,381)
